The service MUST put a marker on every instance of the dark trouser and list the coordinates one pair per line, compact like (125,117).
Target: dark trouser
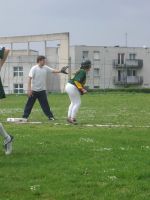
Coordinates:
(42,98)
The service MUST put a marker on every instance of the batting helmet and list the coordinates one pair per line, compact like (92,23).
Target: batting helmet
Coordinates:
(86,64)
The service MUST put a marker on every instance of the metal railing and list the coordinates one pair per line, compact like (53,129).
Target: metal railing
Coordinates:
(128,80)
(136,63)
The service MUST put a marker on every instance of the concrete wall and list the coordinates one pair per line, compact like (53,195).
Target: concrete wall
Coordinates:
(27,59)
(17,60)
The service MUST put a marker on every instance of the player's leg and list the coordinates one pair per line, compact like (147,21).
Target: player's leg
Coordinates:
(70,108)
(7,140)
(3,55)
(76,104)
(68,89)
(29,105)
(3,132)
(74,97)
(42,97)
(71,97)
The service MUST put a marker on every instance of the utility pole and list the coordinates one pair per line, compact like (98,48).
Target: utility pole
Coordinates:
(126,39)
(69,69)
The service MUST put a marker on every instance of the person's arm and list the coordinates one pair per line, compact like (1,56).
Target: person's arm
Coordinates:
(56,71)
(80,87)
(80,81)
(31,75)
(62,70)
(29,87)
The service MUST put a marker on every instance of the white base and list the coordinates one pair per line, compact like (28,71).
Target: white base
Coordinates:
(16,120)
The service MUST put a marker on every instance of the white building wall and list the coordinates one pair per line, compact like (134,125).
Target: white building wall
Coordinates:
(107,72)
(25,57)
(53,82)
(19,59)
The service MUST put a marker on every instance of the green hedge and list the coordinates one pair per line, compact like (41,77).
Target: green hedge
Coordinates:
(135,90)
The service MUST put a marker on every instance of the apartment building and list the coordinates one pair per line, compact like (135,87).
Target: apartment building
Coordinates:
(113,67)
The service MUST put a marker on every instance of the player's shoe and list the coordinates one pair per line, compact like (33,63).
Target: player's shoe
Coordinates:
(51,118)
(24,119)
(8,145)
(72,121)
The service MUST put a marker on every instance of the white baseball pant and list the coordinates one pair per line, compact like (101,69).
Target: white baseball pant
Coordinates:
(75,99)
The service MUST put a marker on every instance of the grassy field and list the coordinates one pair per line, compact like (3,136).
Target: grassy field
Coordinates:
(56,161)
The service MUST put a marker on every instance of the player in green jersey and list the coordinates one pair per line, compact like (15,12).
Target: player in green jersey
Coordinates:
(75,88)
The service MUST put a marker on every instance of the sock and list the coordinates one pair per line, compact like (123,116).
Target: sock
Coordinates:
(3,132)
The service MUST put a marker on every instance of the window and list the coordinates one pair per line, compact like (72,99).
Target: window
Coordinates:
(96,72)
(85,54)
(96,55)
(132,56)
(18,71)
(134,73)
(119,75)
(18,88)
(96,86)
(121,58)
(96,63)
(131,72)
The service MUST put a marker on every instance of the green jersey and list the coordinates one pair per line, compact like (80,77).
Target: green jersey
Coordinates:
(79,77)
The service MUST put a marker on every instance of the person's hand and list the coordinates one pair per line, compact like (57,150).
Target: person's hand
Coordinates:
(30,93)
(83,91)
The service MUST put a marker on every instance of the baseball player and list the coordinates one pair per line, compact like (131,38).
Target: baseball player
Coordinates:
(7,138)
(75,88)
(37,87)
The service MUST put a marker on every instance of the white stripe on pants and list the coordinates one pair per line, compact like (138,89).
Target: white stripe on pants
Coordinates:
(3,132)
(75,99)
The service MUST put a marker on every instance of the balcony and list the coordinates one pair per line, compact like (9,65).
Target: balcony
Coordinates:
(118,65)
(129,80)
(136,63)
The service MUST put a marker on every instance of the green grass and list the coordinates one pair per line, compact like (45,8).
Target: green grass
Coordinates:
(60,162)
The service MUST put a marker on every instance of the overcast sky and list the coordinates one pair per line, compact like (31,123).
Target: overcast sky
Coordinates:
(90,22)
